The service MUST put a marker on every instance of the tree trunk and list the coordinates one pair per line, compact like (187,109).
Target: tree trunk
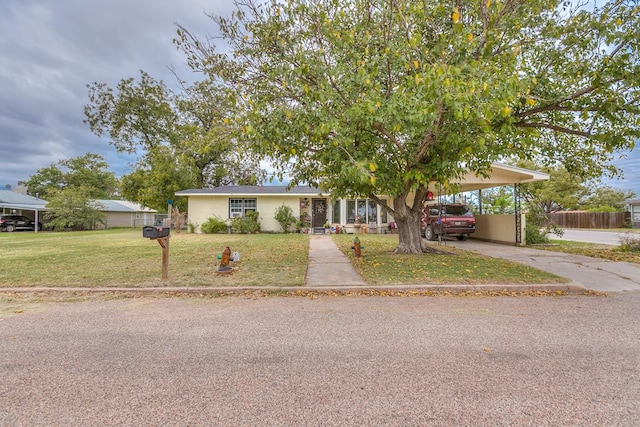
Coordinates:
(408,221)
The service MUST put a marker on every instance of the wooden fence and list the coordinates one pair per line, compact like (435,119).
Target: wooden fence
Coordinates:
(579,219)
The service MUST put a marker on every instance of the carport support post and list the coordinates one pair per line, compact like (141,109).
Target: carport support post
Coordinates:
(164,242)
(516,200)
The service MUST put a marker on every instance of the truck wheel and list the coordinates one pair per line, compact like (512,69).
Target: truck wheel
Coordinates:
(429,234)
(462,237)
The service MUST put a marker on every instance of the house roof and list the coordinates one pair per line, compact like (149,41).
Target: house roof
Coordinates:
(253,190)
(499,175)
(122,206)
(12,200)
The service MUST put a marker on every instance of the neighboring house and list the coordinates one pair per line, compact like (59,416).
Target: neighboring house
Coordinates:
(15,203)
(633,206)
(316,207)
(122,213)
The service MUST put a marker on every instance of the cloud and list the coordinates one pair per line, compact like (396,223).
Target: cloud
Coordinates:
(52,49)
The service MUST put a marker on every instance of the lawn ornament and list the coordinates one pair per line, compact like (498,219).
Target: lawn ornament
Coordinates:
(357,248)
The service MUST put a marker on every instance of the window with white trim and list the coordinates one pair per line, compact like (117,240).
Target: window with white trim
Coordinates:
(239,207)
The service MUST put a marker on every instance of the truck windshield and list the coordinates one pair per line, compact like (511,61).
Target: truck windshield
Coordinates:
(457,210)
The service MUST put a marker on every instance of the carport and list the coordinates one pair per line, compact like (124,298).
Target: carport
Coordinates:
(13,203)
(508,228)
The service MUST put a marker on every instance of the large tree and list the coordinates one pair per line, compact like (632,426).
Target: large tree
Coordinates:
(91,172)
(371,97)
(182,137)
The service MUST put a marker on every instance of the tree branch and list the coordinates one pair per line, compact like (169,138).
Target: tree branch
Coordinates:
(561,129)
(429,139)
(378,126)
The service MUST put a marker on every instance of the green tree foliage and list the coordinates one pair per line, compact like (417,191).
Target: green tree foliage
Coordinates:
(89,172)
(606,199)
(368,97)
(563,190)
(183,139)
(498,200)
(72,207)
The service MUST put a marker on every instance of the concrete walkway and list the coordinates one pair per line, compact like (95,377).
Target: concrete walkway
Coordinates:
(328,266)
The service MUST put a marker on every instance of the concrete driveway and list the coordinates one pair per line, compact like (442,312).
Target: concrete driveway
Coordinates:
(331,361)
(591,273)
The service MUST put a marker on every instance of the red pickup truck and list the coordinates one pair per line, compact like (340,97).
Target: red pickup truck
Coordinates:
(451,219)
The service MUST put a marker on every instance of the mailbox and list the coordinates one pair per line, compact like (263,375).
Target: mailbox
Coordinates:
(155,232)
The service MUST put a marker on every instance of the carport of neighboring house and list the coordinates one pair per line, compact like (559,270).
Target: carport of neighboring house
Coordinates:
(314,208)
(14,203)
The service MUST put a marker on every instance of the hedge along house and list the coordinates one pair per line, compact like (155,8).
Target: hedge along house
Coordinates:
(315,207)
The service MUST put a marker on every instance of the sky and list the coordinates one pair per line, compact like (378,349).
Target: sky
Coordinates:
(51,49)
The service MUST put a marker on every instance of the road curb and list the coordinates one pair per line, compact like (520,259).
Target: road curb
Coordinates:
(572,287)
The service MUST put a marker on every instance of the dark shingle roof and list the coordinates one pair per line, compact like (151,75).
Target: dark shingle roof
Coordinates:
(251,190)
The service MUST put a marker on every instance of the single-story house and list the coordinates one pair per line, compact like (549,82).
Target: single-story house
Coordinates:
(316,207)
(16,203)
(122,213)
(633,206)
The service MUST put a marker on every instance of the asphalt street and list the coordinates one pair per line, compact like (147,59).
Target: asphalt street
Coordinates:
(570,360)
(591,236)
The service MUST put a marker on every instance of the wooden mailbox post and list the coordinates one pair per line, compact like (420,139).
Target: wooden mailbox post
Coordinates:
(161,234)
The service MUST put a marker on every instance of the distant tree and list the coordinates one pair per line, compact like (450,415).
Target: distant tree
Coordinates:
(89,172)
(367,97)
(153,185)
(562,191)
(498,201)
(606,198)
(190,127)
(72,207)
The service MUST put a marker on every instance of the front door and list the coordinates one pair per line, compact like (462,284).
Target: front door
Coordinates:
(319,212)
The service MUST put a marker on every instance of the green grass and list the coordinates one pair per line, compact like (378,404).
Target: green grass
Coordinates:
(380,267)
(123,258)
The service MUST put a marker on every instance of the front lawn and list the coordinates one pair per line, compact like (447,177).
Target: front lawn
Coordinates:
(123,258)
(379,266)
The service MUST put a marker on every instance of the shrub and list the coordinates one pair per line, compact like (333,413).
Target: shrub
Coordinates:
(214,225)
(248,224)
(284,216)
(534,236)
(630,242)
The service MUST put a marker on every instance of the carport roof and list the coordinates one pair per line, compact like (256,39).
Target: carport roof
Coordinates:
(499,175)
(12,200)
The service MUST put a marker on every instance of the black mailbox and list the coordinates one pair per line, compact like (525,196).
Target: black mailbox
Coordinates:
(155,232)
